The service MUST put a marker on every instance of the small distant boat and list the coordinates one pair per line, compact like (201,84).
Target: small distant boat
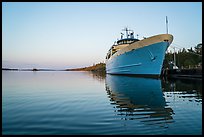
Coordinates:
(130,55)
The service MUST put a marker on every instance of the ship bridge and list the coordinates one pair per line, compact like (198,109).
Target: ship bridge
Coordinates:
(123,42)
(127,41)
(129,37)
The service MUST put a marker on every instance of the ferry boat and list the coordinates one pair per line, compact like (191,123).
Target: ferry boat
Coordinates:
(145,57)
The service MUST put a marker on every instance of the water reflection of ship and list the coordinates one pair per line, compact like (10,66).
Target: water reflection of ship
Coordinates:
(139,99)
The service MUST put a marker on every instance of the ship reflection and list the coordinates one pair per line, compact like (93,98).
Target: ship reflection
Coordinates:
(139,99)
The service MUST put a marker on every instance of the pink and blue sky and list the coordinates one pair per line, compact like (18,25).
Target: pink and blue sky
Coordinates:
(77,34)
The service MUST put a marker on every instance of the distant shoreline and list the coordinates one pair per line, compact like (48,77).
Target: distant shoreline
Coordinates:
(100,67)
(9,69)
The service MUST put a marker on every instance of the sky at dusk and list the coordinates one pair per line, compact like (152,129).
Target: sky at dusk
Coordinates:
(78,34)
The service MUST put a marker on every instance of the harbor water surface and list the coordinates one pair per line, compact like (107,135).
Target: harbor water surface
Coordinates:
(74,103)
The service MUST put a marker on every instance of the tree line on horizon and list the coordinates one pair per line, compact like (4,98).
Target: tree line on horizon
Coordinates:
(185,58)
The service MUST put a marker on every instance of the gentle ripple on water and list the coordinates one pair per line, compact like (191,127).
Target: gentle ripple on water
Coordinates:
(55,103)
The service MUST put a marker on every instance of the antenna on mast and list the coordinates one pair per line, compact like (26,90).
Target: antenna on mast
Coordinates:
(126,29)
(166,25)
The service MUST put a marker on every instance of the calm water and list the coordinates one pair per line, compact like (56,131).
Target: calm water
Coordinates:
(86,103)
